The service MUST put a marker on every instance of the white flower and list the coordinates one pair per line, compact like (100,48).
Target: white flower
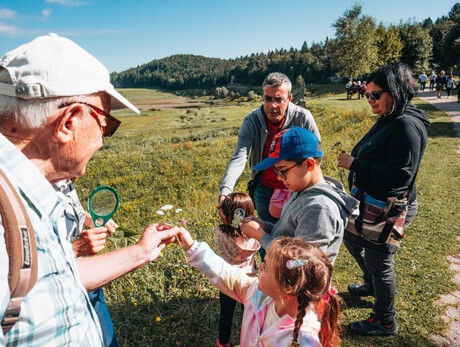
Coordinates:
(160,212)
(166,207)
(179,210)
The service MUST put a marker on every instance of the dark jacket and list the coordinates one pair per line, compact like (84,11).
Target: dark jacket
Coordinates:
(388,156)
(442,80)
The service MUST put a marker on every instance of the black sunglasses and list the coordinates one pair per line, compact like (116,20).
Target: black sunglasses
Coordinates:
(111,122)
(375,95)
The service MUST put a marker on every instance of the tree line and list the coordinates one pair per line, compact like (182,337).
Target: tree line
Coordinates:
(359,46)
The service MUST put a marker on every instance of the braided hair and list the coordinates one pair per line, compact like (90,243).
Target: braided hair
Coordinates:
(309,282)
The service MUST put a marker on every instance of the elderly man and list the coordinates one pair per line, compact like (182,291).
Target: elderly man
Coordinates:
(55,100)
(255,136)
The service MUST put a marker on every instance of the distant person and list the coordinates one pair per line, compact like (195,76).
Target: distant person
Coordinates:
(289,304)
(316,210)
(236,249)
(255,137)
(422,80)
(432,80)
(384,164)
(55,100)
(363,89)
(441,81)
(449,85)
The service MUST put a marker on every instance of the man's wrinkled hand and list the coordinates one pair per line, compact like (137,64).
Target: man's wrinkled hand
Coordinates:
(156,237)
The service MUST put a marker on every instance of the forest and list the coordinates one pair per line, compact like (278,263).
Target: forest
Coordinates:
(425,46)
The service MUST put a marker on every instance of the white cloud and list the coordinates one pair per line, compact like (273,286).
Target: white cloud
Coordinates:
(7,13)
(67,2)
(45,15)
(9,29)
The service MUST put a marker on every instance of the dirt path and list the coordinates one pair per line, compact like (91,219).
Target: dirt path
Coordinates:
(450,301)
(449,106)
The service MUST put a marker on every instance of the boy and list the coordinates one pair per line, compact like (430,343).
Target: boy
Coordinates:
(316,211)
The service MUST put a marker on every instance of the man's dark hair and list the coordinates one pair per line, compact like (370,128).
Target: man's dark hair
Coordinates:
(396,79)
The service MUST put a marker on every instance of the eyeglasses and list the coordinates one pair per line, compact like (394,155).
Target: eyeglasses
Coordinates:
(111,122)
(278,100)
(375,95)
(282,173)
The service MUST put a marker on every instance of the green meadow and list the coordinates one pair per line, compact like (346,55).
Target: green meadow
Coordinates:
(177,156)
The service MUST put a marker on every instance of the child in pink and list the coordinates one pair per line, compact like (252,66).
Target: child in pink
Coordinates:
(289,304)
(236,249)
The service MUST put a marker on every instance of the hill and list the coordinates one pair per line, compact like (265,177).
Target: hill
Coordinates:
(181,71)
(185,71)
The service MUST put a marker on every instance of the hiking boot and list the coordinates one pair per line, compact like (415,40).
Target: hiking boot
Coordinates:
(373,327)
(360,290)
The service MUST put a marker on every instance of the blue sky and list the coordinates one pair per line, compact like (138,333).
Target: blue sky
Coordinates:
(124,34)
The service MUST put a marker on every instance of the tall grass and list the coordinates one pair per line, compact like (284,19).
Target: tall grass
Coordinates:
(179,156)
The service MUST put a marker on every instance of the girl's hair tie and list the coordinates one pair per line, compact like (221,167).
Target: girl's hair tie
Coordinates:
(295,263)
(331,292)
(238,217)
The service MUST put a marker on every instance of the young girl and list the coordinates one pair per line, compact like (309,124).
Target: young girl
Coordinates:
(288,304)
(236,249)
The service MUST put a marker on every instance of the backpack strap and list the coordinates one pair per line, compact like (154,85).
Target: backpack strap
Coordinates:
(21,249)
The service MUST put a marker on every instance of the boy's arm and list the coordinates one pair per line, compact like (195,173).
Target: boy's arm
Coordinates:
(259,230)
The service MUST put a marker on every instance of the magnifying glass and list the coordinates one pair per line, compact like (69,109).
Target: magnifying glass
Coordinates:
(102,204)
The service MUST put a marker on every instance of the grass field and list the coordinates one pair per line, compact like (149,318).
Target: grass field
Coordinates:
(178,156)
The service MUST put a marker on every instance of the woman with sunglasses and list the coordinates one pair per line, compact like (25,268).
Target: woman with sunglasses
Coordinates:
(384,164)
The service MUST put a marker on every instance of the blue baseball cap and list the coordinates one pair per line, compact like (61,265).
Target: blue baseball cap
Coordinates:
(293,143)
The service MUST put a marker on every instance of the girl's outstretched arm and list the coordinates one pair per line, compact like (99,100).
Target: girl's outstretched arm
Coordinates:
(229,279)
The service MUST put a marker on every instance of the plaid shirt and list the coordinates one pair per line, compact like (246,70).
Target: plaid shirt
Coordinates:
(57,311)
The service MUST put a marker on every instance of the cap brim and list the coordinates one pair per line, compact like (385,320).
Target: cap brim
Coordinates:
(266,163)
(119,101)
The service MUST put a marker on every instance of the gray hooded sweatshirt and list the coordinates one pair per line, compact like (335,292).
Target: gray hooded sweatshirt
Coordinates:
(317,214)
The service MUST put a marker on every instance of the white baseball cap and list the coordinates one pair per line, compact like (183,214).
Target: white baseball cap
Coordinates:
(53,66)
